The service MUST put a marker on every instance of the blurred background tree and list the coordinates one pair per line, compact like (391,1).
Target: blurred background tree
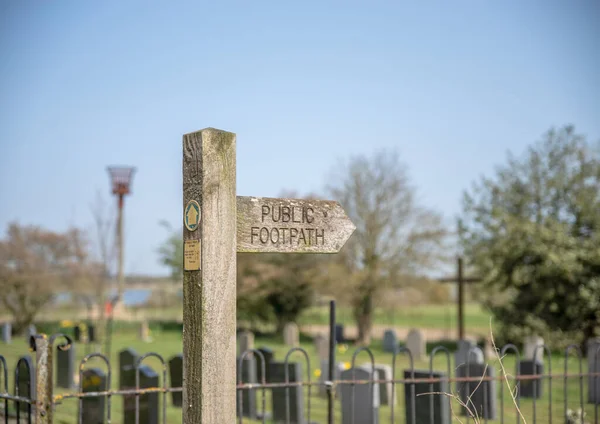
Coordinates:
(36,265)
(394,234)
(532,230)
(170,252)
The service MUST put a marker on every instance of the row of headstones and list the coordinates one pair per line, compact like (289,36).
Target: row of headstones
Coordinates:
(6,332)
(87,335)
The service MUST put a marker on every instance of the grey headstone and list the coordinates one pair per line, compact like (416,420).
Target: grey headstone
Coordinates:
(31,331)
(65,367)
(339,333)
(364,405)
(322,346)
(390,341)
(248,396)
(415,342)
(91,333)
(6,332)
(127,360)
(441,404)
(78,334)
(383,372)
(529,348)
(531,388)
(93,408)
(483,396)
(291,334)
(337,371)
(176,375)
(268,355)
(467,351)
(593,354)
(245,342)
(279,394)
(149,403)
(25,385)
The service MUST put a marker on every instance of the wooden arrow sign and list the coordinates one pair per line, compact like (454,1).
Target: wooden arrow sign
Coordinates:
(291,225)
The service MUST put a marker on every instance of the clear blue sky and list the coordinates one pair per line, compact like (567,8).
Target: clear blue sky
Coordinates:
(452,85)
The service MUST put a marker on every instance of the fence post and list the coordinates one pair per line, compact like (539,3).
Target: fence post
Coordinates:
(43,378)
(331,368)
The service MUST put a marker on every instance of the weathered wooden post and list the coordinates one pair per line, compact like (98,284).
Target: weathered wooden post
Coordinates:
(209,290)
(216,226)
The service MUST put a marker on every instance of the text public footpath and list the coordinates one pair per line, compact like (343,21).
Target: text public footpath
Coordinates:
(290,234)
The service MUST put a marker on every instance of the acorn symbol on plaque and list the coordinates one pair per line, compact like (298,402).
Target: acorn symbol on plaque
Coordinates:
(191,216)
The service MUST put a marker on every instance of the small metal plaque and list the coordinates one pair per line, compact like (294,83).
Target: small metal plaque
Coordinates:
(191,216)
(191,255)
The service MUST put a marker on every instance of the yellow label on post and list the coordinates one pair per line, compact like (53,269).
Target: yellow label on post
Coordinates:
(191,255)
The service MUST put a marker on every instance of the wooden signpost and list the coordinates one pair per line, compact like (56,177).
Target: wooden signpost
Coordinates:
(217,224)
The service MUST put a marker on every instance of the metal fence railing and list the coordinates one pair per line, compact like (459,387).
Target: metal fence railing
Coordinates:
(549,388)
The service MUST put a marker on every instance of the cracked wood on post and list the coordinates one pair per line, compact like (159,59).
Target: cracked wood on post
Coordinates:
(209,294)
(291,225)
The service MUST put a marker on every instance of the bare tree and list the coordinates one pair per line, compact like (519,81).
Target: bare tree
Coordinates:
(394,234)
(36,265)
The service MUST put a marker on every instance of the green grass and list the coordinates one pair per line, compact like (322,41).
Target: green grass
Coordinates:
(422,316)
(169,343)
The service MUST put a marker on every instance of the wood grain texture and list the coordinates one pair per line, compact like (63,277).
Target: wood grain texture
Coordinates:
(291,225)
(209,295)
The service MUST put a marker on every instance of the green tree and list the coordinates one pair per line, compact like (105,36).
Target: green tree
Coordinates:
(170,252)
(394,235)
(533,232)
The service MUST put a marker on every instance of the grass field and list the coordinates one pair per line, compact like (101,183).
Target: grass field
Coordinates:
(169,343)
(422,316)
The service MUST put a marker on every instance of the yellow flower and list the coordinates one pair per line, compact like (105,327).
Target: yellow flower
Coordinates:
(346,365)
(317,373)
(66,323)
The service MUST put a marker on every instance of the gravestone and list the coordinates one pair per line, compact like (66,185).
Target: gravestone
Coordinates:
(245,342)
(527,388)
(529,348)
(324,375)
(6,332)
(415,342)
(291,335)
(383,372)
(77,333)
(467,351)
(482,396)
(176,376)
(248,375)
(144,332)
(91,333)
(25,385)
(268,354)
(127,359)
(31,331)
(148,403)
(93,408)
(339,333)
(279,394)
(363,407)
(322,346)
(390,341)
(65,367)
(422,400)
(593,355)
